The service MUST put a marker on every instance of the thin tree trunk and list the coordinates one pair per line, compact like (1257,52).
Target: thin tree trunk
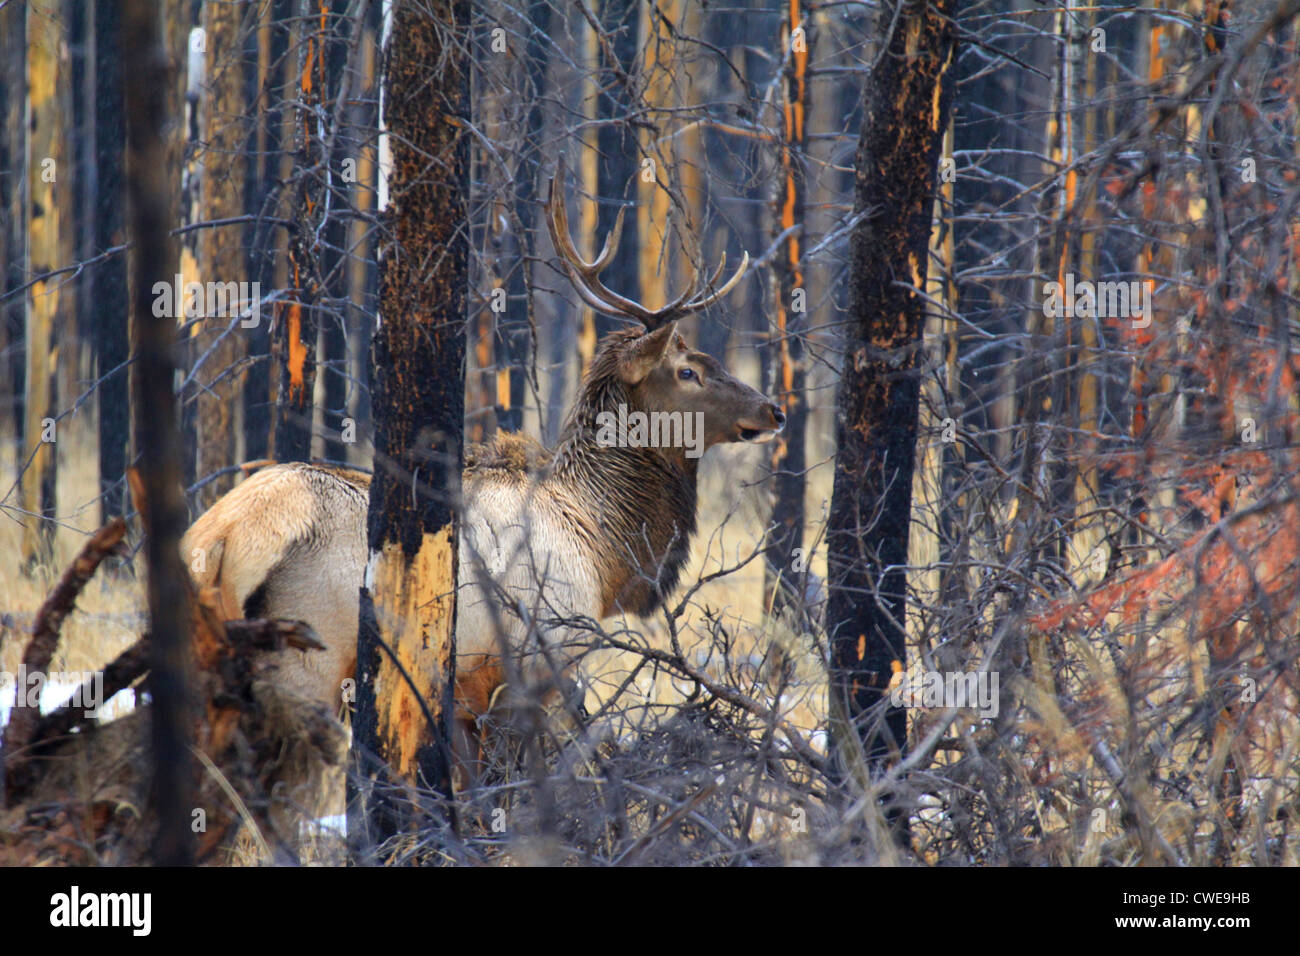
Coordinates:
(619,158)
(653,222)
(294,348)
(362,283)
(13,227)
(331,376)
(221,257)
(588,209)
(266,259)
(515,331)
(109,304)
(905,110)
(494,87)
(786,564)
(77,486)
(47,248)
(146,89)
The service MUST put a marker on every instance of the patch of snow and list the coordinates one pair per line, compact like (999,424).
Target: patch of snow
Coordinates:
(54,694)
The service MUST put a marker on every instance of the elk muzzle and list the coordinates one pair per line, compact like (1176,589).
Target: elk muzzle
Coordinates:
(762,427)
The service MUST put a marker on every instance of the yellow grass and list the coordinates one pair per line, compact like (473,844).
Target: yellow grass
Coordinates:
(108,615)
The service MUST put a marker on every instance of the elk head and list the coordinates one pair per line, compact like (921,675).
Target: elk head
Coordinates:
(659,371)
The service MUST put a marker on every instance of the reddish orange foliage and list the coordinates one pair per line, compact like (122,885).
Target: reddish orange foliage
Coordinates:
(1248,553)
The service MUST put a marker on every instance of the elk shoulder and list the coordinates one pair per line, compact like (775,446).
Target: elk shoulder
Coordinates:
(507,454)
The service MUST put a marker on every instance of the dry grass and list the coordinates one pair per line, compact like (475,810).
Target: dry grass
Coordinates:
(107,619)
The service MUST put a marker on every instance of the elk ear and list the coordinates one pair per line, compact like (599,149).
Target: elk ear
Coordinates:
(645,353)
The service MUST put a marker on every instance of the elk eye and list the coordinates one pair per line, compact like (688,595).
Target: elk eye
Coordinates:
(686,374)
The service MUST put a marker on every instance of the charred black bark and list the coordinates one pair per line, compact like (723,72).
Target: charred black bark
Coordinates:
(332,365)
(109,305)
(786,575)
(619,160)
(418,397)
(264,250)
(146,85)
(905,110)
(299,320)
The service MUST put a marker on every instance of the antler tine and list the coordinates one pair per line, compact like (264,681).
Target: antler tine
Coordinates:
(611,240)
(717,273)
(695,305)
(688,303)
(697,287)
(583,273)
(593,292)
(561,231)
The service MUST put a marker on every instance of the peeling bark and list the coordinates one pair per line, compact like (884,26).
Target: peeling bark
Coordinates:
(408,612)
(786,570)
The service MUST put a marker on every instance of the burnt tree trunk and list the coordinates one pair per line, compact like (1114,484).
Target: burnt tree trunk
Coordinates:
(49,245)
(787,564)
(265,251)
(618,161)
(108,303)
(905,110)
(297,326)
(408,606)
(514,331)
(146,85)
(13,230)
(222,108)
(331,363)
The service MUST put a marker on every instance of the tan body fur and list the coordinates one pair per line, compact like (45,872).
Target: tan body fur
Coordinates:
(290,542)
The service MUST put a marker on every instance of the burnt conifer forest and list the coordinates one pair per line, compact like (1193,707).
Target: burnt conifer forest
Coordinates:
(650,432)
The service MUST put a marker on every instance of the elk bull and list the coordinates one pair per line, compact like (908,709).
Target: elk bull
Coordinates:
(588,529)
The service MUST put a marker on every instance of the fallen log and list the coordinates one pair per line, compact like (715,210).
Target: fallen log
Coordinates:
(15,753)
(77,791)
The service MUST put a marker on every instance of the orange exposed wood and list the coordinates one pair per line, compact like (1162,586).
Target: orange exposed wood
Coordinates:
(297,349)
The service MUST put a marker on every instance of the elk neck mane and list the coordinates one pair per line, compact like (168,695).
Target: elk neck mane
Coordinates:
(634,507)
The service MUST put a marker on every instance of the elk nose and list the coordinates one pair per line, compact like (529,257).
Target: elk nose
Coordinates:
(779,416)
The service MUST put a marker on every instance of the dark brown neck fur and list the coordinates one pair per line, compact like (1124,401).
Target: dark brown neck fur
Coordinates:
(643,499)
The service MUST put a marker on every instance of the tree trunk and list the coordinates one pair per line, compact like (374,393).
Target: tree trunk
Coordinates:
(109,304)
(77,491)
(223,109)
(617,163)
(905,110)
(653,264)
(408,608)
(48,247)
(154,403)
(332,384)
(266,259)
(13,228)
(294,348)
(514,330)
(786,564)
(362,270)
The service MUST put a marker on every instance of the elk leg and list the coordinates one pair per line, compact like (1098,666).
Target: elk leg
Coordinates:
(467,753)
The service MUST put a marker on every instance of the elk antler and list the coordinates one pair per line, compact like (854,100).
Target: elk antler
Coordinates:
(584,274)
